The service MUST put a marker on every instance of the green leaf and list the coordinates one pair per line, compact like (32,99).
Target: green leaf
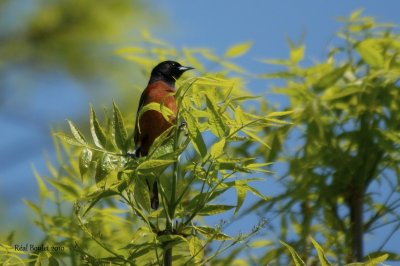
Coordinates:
(214,209)
(33,206)
(85,160)
(369,51)
(331,77)
(41,184)
(195,135)
(161,139)
(212,233)
(215,120)
(76,133)
(377,260)
(120,133)
(295,257)
(321,255)
(165,111)
(97,196)
(101,173)
(356,14)
(217,148)
(261,243)
(241,195)
(282,113)
(53,261)
(152,164)
(98,134)
(239,116)
(68,140)
(238,49)
(196,249)
(256,138)
(66,187)
(142,194)
(297,54)
(337,93)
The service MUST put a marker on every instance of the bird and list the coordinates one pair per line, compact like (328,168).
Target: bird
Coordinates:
(151,124)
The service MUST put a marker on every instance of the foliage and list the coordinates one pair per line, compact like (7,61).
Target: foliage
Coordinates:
(95,202)
(346,125)
(111,220)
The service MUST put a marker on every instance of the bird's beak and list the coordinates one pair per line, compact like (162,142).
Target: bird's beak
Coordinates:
(185,68)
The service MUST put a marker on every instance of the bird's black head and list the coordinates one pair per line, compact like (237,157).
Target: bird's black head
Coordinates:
(168,71)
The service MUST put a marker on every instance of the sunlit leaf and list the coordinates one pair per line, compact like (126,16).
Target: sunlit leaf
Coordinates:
(68,139)
(370,52)
(214,209)
(153,164)
(196,248)
(331,77)
(165,111)
(212,233)
(195,134)
(297,54)
(120,133)
(295,257)
(256,138)
(321,254)
(76,133)
(217,148)
(241,194)
(215,122)
(41,184)
(98,135)
(238,49)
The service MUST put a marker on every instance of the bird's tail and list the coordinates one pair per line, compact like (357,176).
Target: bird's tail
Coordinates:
(154,202)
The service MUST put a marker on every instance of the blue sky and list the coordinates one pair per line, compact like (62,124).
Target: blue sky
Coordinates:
(207,23)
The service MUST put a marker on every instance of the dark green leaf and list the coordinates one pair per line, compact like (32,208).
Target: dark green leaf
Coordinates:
(85,160)
(53,261)
(101,172)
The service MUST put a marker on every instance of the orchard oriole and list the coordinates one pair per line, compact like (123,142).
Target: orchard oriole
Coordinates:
(151,124)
